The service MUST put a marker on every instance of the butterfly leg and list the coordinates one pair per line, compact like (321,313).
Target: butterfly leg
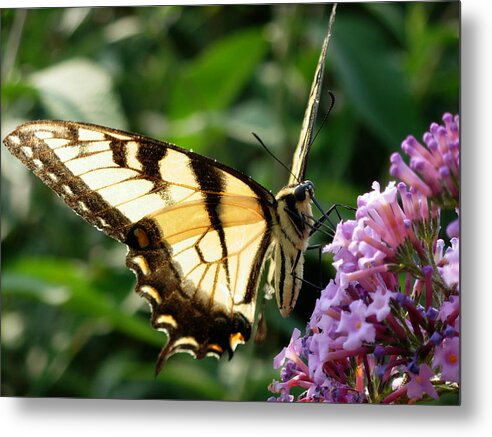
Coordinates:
(326,216)
(305,281)
(319,247)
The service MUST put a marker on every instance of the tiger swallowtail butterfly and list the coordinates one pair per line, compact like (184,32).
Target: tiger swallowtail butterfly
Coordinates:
(198,232)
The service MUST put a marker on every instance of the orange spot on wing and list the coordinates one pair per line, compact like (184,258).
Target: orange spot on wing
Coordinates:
(235,339)
(142,237)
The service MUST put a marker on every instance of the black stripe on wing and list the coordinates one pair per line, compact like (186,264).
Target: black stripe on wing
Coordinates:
(150,154)
(210,181)
(118,147)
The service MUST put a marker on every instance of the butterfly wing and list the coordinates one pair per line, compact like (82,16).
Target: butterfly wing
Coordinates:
(197,231)
(299,160)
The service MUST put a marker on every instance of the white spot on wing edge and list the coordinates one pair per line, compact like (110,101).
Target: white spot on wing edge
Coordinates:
(37,163)
(14,139)
(151,292)
(186,341)
(103,222)
(214,354)
(83,206)
(27,151)
(52,176)
(142,264)
(167,320)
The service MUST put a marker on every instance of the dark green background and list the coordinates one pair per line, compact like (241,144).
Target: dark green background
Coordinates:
(204,78)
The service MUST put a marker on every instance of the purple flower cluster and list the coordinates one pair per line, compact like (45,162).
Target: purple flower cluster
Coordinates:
(386,329)
(433,170)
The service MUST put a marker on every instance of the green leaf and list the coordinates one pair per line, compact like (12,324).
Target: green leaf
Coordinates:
(121,377)
(373,78)
(444,399)
(80,90)
(212,80)
(59,282)
(389,14)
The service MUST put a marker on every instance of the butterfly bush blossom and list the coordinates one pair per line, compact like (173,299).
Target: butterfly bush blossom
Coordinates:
(386,329)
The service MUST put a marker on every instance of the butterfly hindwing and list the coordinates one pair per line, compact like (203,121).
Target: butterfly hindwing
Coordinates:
(197,231)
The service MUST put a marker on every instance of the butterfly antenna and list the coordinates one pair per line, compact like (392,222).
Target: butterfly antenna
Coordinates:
(273,156)
(325,117)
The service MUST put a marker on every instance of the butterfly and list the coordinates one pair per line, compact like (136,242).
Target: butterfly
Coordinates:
(198,232)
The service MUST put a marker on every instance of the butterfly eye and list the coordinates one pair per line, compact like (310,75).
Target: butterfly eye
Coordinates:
(300,193)
(301,189)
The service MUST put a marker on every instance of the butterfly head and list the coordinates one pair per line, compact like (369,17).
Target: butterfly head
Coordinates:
(294,212)
(305,190)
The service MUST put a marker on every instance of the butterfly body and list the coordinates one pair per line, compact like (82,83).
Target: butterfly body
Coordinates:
(292,230)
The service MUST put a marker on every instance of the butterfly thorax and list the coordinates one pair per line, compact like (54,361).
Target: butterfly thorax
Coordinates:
(294,214)
(291,236)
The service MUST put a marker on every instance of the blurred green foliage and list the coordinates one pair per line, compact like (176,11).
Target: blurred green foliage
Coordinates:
(204,78)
